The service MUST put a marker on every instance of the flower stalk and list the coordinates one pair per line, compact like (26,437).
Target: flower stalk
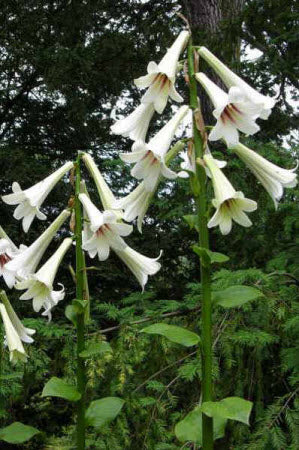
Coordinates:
(199,191)
(80,321)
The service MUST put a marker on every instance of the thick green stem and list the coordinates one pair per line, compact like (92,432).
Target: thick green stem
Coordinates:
(199,190)
(81,376)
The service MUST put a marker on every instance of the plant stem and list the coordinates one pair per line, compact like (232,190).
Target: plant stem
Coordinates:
(199,191)
(81,376)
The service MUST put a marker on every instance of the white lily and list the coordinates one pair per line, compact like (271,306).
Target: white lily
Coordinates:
(23,332)
(272,177)
(230,205)
(150,158)
(230,79)
(40,285)
(233,112)
(26,262)
(106,231)
(30,200)
(105,193)
(141,266)
(161,77)
(135,125)
(7,251)
(107,234)
(13,340)
(136,204)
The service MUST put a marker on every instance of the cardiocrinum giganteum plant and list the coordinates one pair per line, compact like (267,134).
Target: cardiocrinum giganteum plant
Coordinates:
(99,228)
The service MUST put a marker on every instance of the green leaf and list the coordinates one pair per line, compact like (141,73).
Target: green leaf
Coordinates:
(234,408)
(95,348)
(190,428)
(208,256)
(175,334)
(192,221)
(235,296)
(103,411)
(70,313)
(17,433)
(56,387)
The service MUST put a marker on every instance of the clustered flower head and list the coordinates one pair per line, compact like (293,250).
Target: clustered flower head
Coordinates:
(235,111)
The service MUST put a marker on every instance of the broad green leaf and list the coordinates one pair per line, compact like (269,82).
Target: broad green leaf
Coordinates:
(175,334)
(70,313)
(190,428)
(56,387)
(101,412)
(235,296)
(17,433)
(208,256)
(95,348)
(234,408)
(192,221)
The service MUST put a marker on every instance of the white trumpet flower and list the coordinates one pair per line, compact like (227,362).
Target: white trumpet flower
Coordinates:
(189,164)
(135,125)
(30,200)
(272,177)
(40,285)
(106,230)
(161,77)
(141,266)
(233,112)
(23,332)
(150,158)
(230,205)
(230,79)
(136,204)
(16,349)
(7,251)
(105,193)
(25,263)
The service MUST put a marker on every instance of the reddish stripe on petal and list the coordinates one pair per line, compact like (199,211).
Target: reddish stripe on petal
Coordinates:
(4,258)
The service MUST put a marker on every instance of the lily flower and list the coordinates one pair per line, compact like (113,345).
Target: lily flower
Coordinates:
(107,234)
(12,339)
(106,230)
(26,262)
(230,205)
(150,158)
(40,285)
(135,125)
(23,332)
(233,112)
(272,177)
(7,251)
(230,79)
(141,266)
(30,200)
(161,77)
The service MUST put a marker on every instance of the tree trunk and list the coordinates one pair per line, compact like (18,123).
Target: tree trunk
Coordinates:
(215,25)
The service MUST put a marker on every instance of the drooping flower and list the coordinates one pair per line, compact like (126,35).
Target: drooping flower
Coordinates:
(137,202)
(106,230)
(230,205)
(30,200)
(7,250)
(106,195)
(40,285)
(23,332)
(107,234)
(272,177)
(150,158)
(141,266)
(161,77)
(26,262)
(12,339)
(135,125)
(230,79)
(233,112)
